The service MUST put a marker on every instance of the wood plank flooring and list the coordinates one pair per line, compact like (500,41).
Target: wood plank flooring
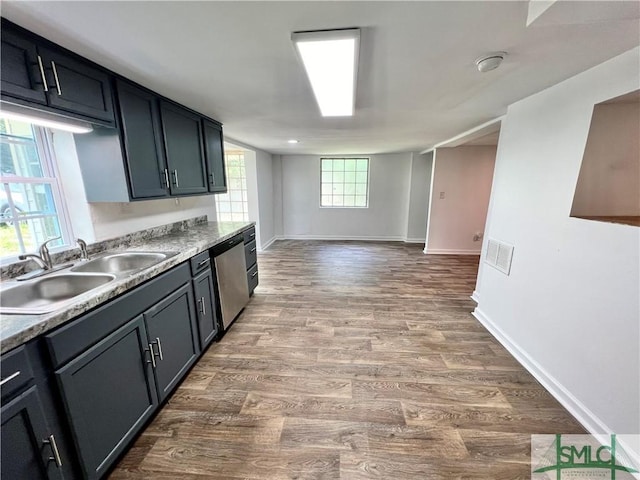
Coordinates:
(352,361)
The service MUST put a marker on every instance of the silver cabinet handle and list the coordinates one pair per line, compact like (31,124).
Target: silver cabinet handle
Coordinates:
(152,355)
(9,378)
(204,308)
(175,175)
(51,441)
(55,76)
(159,348)
(253,249)
(204,262)
(252,234)
(166,177)
(254,274)
(44,78)
(213,179)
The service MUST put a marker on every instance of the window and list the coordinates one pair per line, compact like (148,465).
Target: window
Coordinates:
(232,206)
(30,202)
(344,182)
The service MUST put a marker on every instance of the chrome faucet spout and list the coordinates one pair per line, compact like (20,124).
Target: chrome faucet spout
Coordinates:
(44,253)
(84,255)
(36,258)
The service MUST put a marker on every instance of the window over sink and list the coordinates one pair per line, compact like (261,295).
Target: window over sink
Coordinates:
(31,205)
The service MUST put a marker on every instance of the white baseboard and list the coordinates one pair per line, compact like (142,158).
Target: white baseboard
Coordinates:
(414,240)
(268,244)
(446,251)
(343,237)
(581,413)
(475,296)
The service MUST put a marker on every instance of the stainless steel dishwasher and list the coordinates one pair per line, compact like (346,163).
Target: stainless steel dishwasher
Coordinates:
(231,273)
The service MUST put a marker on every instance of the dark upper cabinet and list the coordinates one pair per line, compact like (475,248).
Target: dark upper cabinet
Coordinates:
(38,74)
(77,86)
(108,393)
(205,306)
(185,150)
(22,70)
(29,449)
(172,336)
(142,141)
(214,153)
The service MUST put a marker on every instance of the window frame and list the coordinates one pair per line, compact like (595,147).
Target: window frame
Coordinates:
(43,143)
(244,191)
(361,157)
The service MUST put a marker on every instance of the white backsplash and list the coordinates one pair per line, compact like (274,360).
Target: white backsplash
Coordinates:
(114,219)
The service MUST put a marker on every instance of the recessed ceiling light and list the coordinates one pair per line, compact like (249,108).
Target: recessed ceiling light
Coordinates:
(330,58)
(489,62)
(292,141)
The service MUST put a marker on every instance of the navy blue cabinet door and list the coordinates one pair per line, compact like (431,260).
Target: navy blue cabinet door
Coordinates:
(22,76)
(77,87)
(185,150)
(214,151)
(108,393)
(142,141)
(172,334)
(27,443)
(205,306)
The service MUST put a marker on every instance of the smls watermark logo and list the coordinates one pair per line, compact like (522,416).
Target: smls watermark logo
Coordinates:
(581,457)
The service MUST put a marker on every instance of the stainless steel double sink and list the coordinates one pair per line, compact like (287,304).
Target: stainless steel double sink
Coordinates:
(53,291)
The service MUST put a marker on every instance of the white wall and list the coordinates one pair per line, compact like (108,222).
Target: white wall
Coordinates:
(463,175)
(609,181)
(278,229)
(114,219)
(385,219)
(570,307)
(260,191)
(419,193)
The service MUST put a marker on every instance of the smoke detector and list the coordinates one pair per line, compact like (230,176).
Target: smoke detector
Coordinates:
(489,62)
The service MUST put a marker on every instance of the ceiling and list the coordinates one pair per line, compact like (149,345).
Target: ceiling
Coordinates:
(417,82)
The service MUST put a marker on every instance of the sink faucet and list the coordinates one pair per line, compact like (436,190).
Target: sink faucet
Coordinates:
(44,258)
(84,256)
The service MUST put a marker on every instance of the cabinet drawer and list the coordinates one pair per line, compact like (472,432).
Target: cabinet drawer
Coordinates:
(252,278)
(250,254)
(250,235)
(200,262)
(16,371)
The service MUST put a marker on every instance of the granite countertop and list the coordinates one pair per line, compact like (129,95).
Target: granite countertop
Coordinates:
(181,246)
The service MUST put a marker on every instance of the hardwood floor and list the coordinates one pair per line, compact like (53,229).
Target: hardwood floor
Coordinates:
(352,361)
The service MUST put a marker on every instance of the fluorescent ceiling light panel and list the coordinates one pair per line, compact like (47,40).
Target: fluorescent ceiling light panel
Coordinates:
(330,58)
(42,119)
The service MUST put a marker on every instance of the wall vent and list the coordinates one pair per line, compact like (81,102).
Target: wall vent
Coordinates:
(499,255)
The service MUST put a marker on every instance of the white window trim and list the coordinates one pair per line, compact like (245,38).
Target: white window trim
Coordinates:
(339,157)
(44,146)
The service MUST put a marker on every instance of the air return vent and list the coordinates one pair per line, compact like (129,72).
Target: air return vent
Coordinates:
(499,255)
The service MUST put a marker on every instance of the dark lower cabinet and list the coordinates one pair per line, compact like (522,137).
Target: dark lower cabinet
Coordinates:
(205,306)
(251,258)
(172,338)
(29,449)
(109,393)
